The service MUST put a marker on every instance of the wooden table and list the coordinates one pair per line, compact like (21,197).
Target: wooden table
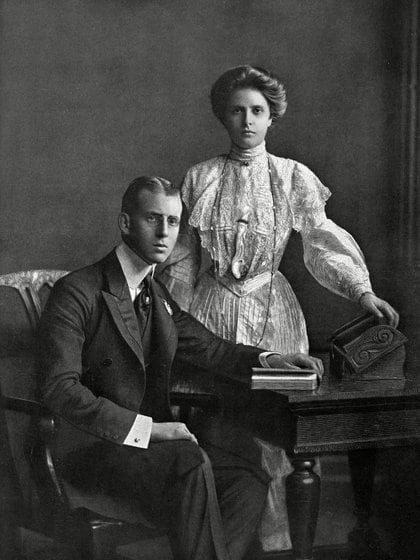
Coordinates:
(352,417)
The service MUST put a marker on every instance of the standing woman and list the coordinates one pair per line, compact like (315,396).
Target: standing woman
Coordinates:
(242,208)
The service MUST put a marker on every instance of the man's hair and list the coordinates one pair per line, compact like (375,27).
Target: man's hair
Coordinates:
(130,200)
(253,77)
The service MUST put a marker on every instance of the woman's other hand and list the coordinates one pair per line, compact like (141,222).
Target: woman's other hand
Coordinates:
(380,308)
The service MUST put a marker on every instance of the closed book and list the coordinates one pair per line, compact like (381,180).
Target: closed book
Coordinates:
(276,379)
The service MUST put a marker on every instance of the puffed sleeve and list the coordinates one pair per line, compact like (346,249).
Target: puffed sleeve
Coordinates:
(179,272)
(331,254)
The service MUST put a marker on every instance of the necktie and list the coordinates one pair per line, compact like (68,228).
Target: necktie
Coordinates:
(142,305)
(155,399)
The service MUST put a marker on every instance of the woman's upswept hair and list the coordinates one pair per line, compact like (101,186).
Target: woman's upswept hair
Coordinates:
(252,77)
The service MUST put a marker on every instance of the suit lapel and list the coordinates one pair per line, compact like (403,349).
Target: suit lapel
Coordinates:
(118,301)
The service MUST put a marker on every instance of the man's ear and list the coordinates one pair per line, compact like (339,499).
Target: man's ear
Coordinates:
(124,222)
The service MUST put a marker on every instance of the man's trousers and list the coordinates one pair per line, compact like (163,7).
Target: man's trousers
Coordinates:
(211,510)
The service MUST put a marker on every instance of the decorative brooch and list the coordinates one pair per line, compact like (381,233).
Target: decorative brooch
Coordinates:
(167,307)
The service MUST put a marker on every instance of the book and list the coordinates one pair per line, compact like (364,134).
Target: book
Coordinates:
(276,379)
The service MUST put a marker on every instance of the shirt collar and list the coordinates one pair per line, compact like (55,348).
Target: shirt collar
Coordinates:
(134,268)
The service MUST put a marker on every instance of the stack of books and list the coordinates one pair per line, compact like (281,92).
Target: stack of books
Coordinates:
(277,379)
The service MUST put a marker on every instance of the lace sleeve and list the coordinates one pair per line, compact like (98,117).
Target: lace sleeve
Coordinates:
(307,199)
(334,258)
(331,254)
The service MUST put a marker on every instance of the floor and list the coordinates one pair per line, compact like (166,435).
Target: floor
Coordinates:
(336,520)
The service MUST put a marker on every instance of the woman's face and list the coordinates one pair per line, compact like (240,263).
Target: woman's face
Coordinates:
(247,117)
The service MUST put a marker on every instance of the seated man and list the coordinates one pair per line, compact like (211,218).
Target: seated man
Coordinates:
(107,341)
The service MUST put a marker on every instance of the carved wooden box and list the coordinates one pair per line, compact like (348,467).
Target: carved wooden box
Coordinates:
(367,350)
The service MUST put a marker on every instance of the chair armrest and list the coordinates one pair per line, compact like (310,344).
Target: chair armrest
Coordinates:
(39,452)
(44,419)
(33,408)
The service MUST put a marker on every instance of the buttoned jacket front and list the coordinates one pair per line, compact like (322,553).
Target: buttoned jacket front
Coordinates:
(91,359)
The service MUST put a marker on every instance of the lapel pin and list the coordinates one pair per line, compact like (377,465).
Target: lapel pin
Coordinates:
(168,307)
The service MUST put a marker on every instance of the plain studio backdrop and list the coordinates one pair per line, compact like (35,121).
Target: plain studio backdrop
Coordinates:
(95,93)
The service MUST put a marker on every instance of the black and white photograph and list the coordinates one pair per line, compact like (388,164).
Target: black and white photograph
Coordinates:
(209,280)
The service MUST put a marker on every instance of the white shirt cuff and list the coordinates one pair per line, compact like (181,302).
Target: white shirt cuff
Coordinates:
(263,358)
(140,432)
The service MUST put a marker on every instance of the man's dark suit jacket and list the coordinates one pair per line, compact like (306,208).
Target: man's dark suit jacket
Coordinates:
(91,358)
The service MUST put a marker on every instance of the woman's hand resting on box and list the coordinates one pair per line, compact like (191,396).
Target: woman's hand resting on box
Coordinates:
(380,308)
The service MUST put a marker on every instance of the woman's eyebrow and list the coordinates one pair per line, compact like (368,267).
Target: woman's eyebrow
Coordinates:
(239,106)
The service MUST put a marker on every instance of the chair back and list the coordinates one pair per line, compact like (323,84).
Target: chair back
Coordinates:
(22,298)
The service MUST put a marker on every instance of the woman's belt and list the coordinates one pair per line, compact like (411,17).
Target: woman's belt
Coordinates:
(243,287)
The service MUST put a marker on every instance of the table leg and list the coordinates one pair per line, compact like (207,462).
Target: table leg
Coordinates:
(362,472)
(363,539)
(303,489)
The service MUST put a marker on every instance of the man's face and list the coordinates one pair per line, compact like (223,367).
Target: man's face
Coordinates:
(152,230)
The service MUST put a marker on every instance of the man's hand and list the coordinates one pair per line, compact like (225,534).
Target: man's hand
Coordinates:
(296,361)
(380,308)
(163,431)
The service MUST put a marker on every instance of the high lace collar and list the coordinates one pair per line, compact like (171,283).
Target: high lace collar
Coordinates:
(248,154)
